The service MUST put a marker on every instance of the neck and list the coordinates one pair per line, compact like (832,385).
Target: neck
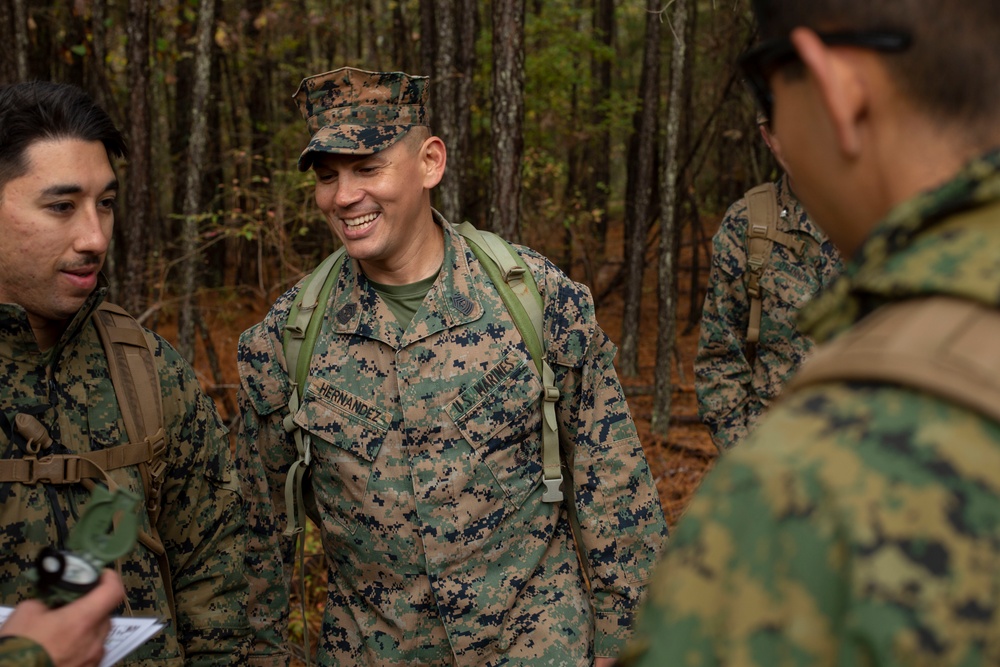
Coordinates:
(421,259)
(47,332)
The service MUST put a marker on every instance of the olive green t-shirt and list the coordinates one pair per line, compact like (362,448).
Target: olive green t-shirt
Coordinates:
(403,300)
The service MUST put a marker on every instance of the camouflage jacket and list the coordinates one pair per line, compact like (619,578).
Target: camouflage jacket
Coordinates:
(22,652)
(858,524)
(427,471)
(201,526)
(732,391)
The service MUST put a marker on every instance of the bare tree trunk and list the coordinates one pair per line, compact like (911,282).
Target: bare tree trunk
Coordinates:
(466,67)
(428,41)
(508,116)
(137,222)
(599,144)
(666,343)
(21,40)
(400,38)
(450,97)
(192,186)
(443,102)
(641,186)
(96,77)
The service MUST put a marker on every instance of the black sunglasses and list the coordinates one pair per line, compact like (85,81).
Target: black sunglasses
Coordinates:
(761,62)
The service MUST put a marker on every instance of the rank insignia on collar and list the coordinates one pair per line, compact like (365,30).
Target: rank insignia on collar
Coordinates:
(462,303)
(345,314)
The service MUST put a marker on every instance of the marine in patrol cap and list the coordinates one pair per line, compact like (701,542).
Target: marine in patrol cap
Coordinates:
(355,112)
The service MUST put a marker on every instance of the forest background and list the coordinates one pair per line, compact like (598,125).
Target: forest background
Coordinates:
(610,135)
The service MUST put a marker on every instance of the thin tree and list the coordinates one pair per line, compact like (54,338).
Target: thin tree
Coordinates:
(136,232)
(667,314)
(428,40)
(599,143)
(508,117)
(192,184)
(641,186)
(450,98)
(20,39)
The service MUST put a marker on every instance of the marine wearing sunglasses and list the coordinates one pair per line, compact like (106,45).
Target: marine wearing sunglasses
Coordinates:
(761,62)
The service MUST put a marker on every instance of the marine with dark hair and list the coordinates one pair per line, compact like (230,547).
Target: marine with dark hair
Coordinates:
(61,424)
(858,523)
(423,407)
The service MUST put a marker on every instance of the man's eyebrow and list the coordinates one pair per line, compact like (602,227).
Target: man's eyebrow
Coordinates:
(59,190)
(72,189)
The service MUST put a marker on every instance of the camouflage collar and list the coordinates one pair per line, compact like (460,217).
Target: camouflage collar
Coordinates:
(454,293)
(792,216)
(17,338)
(931,244)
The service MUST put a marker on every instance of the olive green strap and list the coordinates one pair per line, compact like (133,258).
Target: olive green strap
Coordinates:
(524,303)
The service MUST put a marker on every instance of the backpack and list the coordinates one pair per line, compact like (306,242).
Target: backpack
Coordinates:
(762,234)
(129,351)
(520,295)
(942,345)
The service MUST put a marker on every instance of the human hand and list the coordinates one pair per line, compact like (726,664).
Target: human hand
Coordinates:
(72,635)
(604,662)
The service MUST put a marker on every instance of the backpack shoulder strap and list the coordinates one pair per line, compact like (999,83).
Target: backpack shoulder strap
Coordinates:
(524,303)
(133,373)
(762,233)
(944,346)
(130,350)
(301,331)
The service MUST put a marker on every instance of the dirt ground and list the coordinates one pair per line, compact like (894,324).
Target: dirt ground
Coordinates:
(680,460)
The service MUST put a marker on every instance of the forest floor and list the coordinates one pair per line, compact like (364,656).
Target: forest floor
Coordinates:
(678,461)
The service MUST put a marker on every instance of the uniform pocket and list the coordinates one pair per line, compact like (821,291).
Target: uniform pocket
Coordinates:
(498,416)
(348,433)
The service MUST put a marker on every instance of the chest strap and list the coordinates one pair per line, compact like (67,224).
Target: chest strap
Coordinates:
(72,468)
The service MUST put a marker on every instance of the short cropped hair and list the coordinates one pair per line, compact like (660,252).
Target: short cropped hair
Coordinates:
(40,110)
(951,69)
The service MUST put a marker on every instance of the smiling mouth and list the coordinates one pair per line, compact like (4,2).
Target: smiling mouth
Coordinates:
(360,222)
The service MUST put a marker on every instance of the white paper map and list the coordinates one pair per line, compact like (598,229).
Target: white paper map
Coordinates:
(127,634)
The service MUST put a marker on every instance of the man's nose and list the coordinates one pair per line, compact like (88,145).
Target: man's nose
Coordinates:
(92,230)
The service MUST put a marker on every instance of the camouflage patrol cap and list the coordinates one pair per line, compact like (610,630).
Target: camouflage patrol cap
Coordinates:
(355,112)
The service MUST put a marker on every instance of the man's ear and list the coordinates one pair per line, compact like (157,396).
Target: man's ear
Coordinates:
(433,157)
(841,87)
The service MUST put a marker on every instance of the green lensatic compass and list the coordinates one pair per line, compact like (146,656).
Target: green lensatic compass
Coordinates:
(106,532)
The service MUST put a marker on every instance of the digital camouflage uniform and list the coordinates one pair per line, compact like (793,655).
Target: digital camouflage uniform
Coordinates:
(22,652)
(427,469)
(732,391)
(858,524)
(201,525)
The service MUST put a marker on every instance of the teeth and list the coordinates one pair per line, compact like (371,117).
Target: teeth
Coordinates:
(360,222)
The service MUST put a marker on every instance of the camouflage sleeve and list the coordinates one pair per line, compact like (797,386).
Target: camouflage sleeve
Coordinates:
(268,606)
(857,526)
(753,576)
(622,526)
(202,524)
(265,453)
(22,652)
(727,402)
